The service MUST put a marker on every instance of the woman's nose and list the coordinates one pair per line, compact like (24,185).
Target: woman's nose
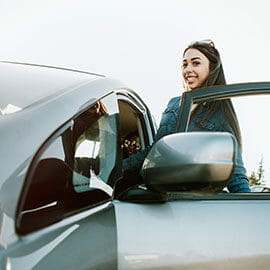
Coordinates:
(188,69)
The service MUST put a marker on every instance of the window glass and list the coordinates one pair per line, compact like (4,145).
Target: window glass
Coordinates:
(252,159)
(94,139)
(75,169)
(134,137)
(252,112)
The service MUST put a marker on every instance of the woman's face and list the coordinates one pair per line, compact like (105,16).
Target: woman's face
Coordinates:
(195,68)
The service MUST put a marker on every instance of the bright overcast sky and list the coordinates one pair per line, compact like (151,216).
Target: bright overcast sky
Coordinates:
(139,42)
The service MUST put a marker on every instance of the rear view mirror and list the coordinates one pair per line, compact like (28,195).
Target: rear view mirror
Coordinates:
(194,162)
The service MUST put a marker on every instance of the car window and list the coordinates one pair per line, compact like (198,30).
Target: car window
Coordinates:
(94,143)
(250,102)
(134,133)
(74,169)
(252,113)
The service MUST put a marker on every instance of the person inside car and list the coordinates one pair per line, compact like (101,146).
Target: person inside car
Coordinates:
(201,67)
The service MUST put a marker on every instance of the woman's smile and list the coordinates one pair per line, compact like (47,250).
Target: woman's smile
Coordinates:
(191,78)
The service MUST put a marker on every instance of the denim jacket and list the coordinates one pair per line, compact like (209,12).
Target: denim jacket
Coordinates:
(239,181)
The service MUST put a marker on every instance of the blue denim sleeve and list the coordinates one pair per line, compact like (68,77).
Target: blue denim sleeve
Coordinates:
(135,161)
(167,123)
(239,181)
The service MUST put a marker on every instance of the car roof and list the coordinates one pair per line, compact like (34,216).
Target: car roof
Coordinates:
(23,132)
(23,84)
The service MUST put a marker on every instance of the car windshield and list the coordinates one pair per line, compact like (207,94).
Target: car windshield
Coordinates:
(22,85)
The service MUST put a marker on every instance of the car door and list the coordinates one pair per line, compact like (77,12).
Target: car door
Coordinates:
(136,122)
(196,231)
(65,217)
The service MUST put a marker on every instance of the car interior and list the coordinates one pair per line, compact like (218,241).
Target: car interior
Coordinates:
(132,139)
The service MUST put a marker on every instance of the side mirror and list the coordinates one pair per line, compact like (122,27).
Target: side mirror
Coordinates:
(193,162)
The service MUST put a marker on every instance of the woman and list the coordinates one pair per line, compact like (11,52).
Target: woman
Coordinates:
(201,67)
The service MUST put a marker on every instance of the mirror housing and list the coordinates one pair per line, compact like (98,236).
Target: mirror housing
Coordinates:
(191,162)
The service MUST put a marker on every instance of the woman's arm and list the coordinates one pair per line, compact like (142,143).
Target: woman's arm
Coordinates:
(216,122)
(239,181)
(167,124)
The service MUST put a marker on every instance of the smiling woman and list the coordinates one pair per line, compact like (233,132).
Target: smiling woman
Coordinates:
(201,67)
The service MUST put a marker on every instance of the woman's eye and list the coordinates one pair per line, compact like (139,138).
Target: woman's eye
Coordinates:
(184,65)
(196,63)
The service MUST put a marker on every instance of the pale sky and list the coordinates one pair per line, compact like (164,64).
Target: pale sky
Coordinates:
(140,42)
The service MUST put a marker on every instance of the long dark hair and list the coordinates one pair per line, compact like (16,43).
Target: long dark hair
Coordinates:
(216,77)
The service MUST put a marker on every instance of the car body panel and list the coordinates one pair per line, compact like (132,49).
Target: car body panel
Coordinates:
(25,84)
(193,235)
(80,241)
(260,188)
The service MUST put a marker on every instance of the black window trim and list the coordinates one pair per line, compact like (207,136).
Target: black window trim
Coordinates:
(133,96)
(217,92)
(140,115)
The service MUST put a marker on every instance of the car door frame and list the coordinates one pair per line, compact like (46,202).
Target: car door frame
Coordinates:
(130,96)
(219,92)
(41,248)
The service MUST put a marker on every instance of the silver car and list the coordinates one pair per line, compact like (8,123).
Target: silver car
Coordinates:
(260,188)
(63,202)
